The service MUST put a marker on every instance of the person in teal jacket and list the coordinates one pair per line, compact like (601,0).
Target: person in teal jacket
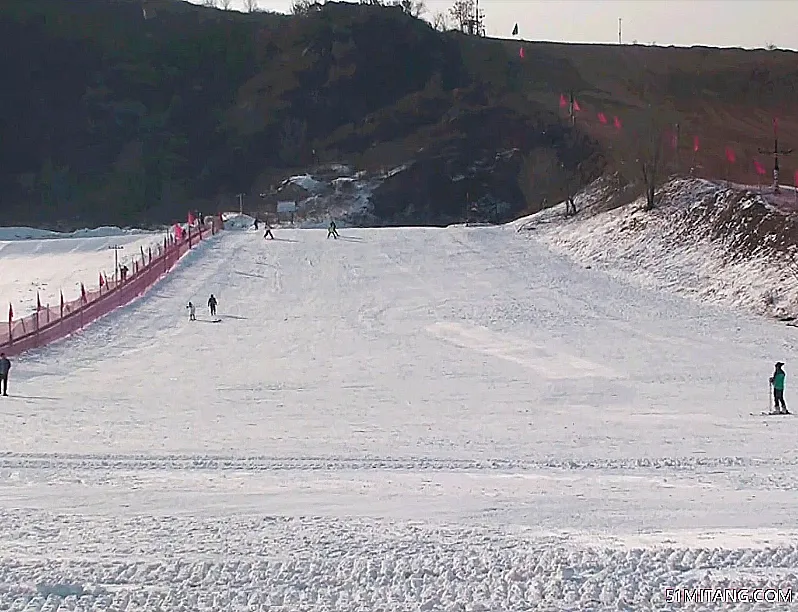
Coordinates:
(777,380)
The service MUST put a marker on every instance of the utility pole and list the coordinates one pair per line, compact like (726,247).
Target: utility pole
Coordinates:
(776,153)
(116,248)
(620,21)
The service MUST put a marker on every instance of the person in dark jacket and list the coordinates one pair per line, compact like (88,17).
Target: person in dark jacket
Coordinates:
(5,368)
(212,305)
(777,380)
(332,230)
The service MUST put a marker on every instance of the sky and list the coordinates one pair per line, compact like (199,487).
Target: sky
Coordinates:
(717,23)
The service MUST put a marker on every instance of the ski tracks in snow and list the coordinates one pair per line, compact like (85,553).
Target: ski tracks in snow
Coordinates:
(424,419)
(309,564)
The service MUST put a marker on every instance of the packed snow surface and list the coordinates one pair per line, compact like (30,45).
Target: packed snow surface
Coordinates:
(36,260)
(402,419)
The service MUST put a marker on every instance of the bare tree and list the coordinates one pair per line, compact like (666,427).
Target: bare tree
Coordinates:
(462,13)
(226,4)
(646,150)
(209,3)
(303,7)
(414,8)
(440,22)
(251,5)
(467,18)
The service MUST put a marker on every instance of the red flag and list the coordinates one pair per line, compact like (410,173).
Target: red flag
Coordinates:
(62,300)
(102,282)
(38,302)
(10,312)
(563,101)
(576,106)
(730,156)
(617,123)
(796,179)
(696,144)
(191,214)
(82,292)
(521,52)
(760,169)
(602,118)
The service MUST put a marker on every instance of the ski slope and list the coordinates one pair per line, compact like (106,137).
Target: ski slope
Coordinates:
(47,262)
(402,419)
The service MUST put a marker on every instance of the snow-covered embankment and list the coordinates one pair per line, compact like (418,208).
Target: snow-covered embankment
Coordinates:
(724,245)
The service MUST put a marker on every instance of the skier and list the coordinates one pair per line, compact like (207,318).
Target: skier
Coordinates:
(268,233)
(192,316)
(255,223)
(331,231)
(5,367)
(212,305)
(777,381)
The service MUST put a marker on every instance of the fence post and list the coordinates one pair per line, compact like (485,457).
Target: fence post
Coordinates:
(36,328)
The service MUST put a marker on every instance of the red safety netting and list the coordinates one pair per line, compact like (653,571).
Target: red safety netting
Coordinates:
(50,324)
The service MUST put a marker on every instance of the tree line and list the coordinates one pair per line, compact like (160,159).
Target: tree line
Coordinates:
(463,16)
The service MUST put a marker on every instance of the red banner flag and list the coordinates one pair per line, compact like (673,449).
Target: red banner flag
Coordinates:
(576,106)
(521,52)
(696,144)
(796,179)
(730,156)
(191,218)
(102,282)
(82,292)
(602,118)
(10,312)
(617,123)
(563,101)
(760,169)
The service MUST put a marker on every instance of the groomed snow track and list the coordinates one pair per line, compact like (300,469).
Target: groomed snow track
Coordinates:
(402,419)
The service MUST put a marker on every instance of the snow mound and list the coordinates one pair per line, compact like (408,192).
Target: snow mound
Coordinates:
(236,221)
(715,243)
(308,183)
